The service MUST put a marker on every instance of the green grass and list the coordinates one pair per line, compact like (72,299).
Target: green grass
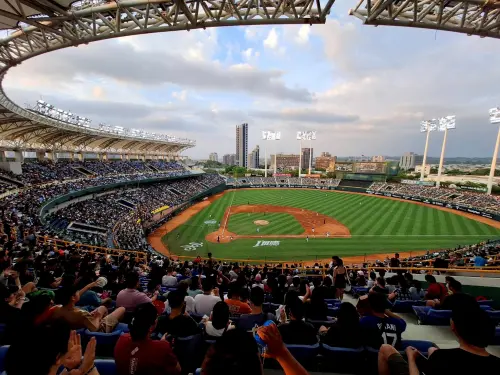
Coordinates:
(279,223)
(377,225)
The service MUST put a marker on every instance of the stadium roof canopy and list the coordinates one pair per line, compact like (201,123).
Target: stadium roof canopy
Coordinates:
(471,17)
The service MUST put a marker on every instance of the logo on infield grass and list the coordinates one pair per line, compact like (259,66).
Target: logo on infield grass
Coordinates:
(267,243)
(192,246)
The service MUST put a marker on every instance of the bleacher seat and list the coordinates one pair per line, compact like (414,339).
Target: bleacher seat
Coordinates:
(333,301)
(487,302)
(343,360)
(197,317)
(496,338)
(105,366)
(3,354)
(333,311)
(429,316)
(189,351)
(269,307)
(305,354)
(486,307)
(494,315)
(359,290)
(106,342)
(405,306)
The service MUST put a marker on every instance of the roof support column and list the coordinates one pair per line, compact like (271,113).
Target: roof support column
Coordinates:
(40,155)
(18,156)
(52,156)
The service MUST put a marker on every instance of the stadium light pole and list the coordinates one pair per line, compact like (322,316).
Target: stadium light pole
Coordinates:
(426,126)
(270,136)
(494,119)
(445,123)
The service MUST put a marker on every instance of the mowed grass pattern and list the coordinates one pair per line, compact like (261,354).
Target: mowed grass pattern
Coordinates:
(279,223)
(377,225)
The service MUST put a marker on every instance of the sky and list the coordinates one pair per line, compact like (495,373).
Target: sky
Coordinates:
(364,89)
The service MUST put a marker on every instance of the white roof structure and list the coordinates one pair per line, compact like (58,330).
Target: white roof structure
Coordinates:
(471,17)
(35,27)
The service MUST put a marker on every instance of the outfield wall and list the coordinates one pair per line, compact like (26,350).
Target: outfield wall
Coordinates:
(433,202)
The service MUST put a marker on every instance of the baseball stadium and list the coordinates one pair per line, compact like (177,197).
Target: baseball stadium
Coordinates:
(119,256)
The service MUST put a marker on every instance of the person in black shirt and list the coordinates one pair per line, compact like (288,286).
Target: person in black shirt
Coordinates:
(474,330)
(257,317)
(379,286)
(297,332)
(346,332)
(177,323)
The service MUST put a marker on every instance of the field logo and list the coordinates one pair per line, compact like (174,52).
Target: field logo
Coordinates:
(192,246)
(210,222)
(267,243)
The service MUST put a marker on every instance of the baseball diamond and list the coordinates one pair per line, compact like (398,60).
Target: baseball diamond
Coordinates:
(313,224)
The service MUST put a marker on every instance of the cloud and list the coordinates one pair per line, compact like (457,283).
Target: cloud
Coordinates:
(303,34)
(180,95)
(305,116)
(272,39)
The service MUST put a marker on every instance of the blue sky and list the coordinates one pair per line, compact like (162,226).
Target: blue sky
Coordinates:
(364,89)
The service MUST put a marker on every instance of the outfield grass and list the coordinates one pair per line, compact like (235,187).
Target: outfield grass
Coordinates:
(377,225)
(279,223)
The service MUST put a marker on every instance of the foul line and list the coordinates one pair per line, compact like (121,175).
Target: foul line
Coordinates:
(228,213)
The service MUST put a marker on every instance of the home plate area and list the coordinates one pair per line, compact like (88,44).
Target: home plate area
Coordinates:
(314,224)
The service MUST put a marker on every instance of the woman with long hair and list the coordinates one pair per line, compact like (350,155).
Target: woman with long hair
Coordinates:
(136,353)
(346,331)
(339,277)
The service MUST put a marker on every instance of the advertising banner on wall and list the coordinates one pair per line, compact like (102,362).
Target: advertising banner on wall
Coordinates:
(282,175)
(418,182)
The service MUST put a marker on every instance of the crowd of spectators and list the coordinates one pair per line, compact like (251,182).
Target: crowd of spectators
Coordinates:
(281,181)
(48,291)
(490,203)
(36,172)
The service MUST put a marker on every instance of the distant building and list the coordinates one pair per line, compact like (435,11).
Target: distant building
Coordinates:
(285,161)
(325,162)
(326,154)
(410,160)
(242,145)
(254,158)
(213,157)
(427,171)
(378,159)
(229,159)
(307,153)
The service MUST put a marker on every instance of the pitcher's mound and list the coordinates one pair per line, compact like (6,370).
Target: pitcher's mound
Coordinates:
(261,222)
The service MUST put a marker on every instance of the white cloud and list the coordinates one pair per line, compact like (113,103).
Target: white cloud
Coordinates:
(303,34)
(272,39)
(249,54)
(180,95)
(250,33)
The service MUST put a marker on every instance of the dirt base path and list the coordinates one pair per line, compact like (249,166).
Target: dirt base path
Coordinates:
(314,223)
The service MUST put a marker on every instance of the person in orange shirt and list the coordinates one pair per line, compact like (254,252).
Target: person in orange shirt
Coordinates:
(236,307)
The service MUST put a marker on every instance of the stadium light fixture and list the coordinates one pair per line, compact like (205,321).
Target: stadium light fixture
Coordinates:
(444,124)
(268,135)
(306,136)
(427,126)
(494,119)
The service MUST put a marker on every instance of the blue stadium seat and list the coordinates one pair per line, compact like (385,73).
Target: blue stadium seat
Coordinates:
(405,306)
(343,360)
(105,366)
(333,301)
(3,354)
(421,345)
(430,316)
(106,342)
(189,351)
(2,332)
(269,307)
(359,290)
(123,327)
(494,315)
(333,311)
(487,302)
(496,338)
(486,307)
(305,354)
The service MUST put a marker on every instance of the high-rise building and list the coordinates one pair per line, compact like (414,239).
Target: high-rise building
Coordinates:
(285,162)
(213,157)
(242,145)
(326,154)
(306,154)
(254,158)
(325,162)
(378,159)
(410,160)
(229,159)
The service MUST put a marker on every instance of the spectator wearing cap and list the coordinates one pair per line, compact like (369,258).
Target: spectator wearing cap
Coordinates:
(136,353)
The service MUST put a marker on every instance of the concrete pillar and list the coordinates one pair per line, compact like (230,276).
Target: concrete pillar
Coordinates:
(51,155)
(40,155)
(18,156)
(78,156)
(104,156)
(142,157)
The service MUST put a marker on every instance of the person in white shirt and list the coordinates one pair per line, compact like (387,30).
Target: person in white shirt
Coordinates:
(204,303)
(258,279)
(169,279)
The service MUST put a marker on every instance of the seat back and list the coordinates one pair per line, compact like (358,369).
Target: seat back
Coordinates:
(105,366)
(304,354)
(3,354)
(494,315)
(342,360)
(438,317)
(189,351)
(105,342)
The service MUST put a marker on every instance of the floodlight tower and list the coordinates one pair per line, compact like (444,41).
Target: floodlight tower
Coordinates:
(494,119)
(445,123)
(427,126)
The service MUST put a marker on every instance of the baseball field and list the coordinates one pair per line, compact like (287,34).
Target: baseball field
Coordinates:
(296,224)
